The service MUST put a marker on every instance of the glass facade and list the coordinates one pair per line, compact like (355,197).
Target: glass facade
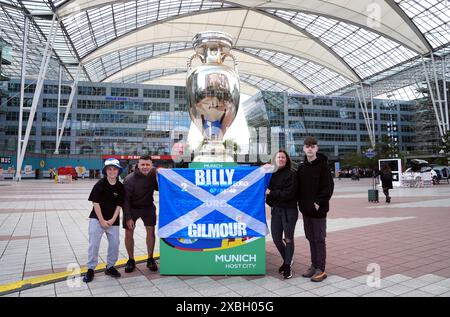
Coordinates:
(129,119)
(336,121)
(104,118)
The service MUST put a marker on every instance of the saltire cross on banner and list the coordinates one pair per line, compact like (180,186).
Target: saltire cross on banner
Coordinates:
(217,203)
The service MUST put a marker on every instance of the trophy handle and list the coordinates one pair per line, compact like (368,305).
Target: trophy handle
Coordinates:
(225,55)
(189,61)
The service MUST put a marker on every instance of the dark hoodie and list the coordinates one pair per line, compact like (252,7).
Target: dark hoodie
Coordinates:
(139,192)
(315,185)
(283,187)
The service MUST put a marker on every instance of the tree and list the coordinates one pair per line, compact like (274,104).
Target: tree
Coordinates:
(386,149)
(445,145)
(352,160)
(382,150)
(233,145)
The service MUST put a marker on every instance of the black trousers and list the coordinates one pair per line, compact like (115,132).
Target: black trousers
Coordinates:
(284,221)
(316,232)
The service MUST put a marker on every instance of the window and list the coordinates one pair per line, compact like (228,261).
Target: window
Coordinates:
(325,113)
(180,93)
(14,130)
(51,117)
(91,91)
(111,104)
(180,107)
(157,135)
(330,125)
(124,92)
(406,128)
(322,102)
(388,117)
(375,115)
(326,137)
(297,100)
(295,112)
(407,138)
(406,118)
(407,107)
(53,103)
(53,89)
(345,103)
(15,102)
(296,125)
(156,106)
(15,87)
(14,116)
(157,93)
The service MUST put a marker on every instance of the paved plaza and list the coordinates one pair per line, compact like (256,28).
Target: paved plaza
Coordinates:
(44,230)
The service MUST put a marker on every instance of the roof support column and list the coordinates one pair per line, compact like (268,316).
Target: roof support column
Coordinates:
(438,93)
(60,130)
(364,109)
(37,93)
(433,101)
(18,175)
(444,79)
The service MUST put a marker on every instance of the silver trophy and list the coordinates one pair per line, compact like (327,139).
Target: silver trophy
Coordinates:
(212,93)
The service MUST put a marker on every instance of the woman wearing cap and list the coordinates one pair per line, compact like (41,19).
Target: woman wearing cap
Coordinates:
(107,198)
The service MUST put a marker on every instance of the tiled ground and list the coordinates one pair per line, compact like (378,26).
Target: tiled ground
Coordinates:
(43,228)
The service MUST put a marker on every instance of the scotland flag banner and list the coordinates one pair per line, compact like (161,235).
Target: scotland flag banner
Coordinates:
(215,203)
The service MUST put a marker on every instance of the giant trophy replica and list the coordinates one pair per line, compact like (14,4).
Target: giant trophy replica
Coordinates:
(195,239)
(212,93)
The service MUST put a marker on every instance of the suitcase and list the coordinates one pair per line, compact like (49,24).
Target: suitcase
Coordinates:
(373,193)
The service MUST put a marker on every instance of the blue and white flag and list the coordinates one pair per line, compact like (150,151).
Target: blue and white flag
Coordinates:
(216,203)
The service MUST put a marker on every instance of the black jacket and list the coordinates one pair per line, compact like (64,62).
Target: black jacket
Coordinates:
(283,187)
(138,192)
(315,185)
(386,180)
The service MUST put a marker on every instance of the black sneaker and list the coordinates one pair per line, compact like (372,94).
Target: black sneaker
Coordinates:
(282,268)
(151,264)
(112,272)
(130,266)
(287,272)
(89,276)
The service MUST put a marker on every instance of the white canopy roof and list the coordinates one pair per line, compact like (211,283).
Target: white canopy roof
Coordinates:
(317,46)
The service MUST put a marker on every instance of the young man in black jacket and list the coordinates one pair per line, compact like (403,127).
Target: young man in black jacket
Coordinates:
(315,187)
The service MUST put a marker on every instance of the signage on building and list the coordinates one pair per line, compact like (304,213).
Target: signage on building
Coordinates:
(136,157)
(370,153)
(5,160)
(122,99)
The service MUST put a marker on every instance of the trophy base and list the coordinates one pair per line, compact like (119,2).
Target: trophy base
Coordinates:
(213,151)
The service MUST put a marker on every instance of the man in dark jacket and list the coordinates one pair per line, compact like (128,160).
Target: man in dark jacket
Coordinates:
(386,181)
(139,187)
(315,187)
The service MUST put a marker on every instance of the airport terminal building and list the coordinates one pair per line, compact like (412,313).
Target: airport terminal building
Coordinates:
(130,119)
